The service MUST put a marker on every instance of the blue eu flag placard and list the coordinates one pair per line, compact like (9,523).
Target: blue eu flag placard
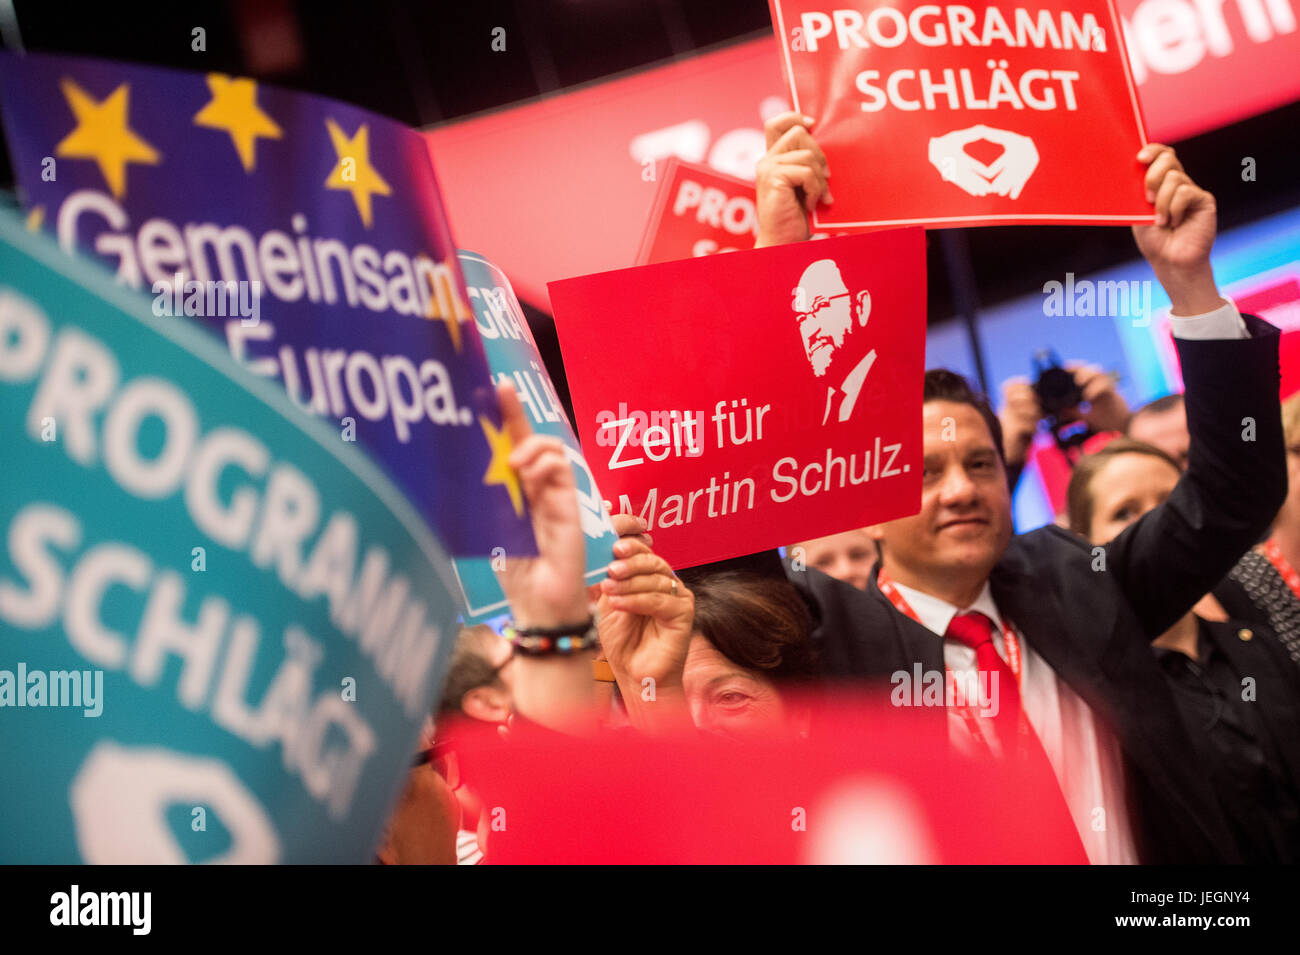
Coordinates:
(513,356)
(308,234)
(221,627)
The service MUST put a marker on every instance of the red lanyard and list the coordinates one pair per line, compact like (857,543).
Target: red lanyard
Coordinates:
(1284,569)
(1010,641)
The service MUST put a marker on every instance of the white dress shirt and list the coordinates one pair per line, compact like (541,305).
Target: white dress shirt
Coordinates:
(1084,754)
(1224,322)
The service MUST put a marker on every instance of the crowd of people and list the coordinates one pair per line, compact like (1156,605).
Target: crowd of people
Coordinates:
(1146,646)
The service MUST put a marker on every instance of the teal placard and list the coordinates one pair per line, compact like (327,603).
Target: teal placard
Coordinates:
(256,620)
(513,356)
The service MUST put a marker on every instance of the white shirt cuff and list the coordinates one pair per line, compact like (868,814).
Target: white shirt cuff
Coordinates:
(1224,322)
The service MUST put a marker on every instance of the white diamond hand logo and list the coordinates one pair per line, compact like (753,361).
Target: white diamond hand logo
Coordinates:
(1004,176)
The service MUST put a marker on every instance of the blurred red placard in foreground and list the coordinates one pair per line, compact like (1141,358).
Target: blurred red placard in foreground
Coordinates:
(870,784)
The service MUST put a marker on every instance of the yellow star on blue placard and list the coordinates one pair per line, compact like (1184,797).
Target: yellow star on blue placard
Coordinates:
(102,134)
(499,470)
(233,109)
(353,173)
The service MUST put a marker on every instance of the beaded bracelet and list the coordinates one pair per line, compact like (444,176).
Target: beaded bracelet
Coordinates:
(541,641)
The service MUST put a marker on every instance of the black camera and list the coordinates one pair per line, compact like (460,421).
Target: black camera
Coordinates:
(1054,385)
(1057,392)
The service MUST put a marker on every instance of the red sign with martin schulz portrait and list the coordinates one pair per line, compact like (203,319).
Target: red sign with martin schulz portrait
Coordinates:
(744,401)
(962,114)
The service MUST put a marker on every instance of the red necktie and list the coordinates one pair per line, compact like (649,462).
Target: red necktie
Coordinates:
(975,630)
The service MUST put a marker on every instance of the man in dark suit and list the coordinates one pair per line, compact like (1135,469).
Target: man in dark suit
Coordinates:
(1064,625)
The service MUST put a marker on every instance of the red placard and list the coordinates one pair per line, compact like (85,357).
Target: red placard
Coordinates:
(872,783)
(698,212)
(967,114)
(744,401)
(1199,64)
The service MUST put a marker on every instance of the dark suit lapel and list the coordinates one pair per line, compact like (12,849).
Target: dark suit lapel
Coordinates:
(1037,613)
(914,643)
(912,647)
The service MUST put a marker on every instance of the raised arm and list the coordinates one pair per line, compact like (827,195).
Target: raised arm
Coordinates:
(790,181)
(548,590)
(1236,473)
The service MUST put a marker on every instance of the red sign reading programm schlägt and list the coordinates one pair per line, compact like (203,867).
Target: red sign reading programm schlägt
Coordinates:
(698,212)
(744,401)
(967,113)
